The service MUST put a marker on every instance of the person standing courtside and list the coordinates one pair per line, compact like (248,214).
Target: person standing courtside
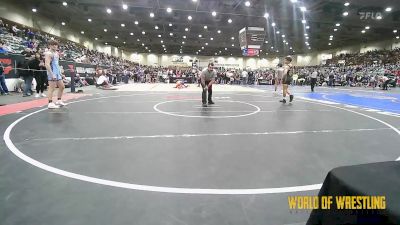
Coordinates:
(313,76)
(287,79)
(54,75)
(278,76)
(207,79)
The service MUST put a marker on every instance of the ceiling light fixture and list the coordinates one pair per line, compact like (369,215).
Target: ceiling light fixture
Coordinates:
(151,15)
(109,11)
(34,10)
(214,13)
(345,13)
(388,9)
(65,3)
(124,6)
(229,20)
(169,10)
(247,3)
(190,17)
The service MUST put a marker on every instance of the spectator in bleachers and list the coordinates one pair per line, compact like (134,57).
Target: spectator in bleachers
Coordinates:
(3,86)
(28,74)
(3,48)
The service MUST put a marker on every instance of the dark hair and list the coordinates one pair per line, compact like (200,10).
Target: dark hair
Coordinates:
(288,58)
(2,42)
(211,64)
(280,65)
(52,42)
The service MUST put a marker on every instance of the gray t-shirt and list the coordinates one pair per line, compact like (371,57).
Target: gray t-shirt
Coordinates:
(207,75)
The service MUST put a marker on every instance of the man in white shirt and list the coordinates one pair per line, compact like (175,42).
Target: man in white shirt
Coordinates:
(278,76)
(313,77)
(244,76)
(102,81)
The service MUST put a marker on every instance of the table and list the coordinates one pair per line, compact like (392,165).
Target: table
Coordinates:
(375,179)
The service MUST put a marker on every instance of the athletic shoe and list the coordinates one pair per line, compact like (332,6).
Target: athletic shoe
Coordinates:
(60,103)
(291,98)
(25,95)
(283,101)
(204,105)
(211,103)
(37,96)
(43,95)
(52,106)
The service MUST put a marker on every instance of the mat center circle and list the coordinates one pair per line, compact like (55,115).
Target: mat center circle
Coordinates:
(192,108)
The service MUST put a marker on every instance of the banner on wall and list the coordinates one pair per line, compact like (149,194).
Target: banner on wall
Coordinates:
(10,62)
(85,68)
(226,65)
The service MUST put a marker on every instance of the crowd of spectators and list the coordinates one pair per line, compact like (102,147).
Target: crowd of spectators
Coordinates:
(362,69)
(26,41)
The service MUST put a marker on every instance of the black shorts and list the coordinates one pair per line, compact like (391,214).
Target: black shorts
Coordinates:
(287,80)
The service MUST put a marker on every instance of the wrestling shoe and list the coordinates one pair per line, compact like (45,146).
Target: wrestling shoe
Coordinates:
(52,106)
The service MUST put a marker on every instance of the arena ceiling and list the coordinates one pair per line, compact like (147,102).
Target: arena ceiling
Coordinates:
(170,31)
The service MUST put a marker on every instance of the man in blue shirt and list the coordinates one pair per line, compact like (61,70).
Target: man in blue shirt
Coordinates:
(2,48)
(3,86)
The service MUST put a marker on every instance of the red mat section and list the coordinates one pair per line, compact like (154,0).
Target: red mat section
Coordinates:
(17,107)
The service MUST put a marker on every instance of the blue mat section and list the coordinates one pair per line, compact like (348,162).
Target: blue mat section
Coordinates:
(373,100)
